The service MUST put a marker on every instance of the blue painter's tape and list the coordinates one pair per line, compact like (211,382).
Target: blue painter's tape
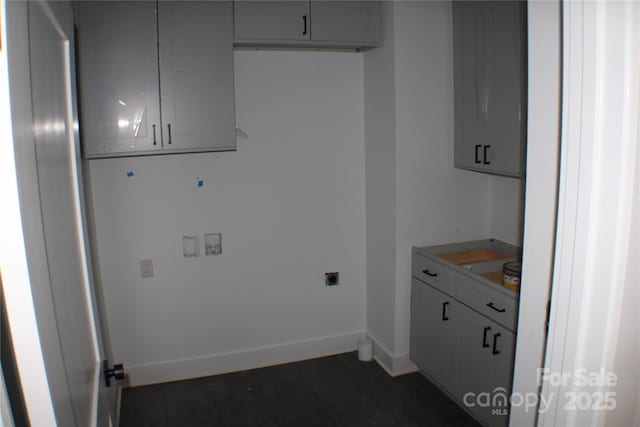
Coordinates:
(129,174)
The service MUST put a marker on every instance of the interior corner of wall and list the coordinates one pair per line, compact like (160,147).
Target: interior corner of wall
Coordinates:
(381,353)
(394,365)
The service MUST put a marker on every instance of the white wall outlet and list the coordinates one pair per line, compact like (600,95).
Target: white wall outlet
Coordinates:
(213,244)
(190,246)
(146,268)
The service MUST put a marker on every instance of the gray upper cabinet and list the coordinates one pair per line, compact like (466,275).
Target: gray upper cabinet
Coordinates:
(155,77)
(196,75)
(354,22)
(490,86)
(346,24)
(278,21)
(118,77)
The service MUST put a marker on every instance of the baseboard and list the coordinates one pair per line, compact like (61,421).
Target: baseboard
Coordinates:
(221,363)
(403,365)
(394,365)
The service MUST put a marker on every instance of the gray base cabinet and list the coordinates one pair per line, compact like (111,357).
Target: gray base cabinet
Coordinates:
(463,326)
(483,363)
(356,23)
(316,24)
(432,327)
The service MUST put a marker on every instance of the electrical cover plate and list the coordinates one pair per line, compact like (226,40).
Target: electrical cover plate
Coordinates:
(213,244)
(190,247)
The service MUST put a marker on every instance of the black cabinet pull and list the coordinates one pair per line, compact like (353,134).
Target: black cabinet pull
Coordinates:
(116,372)
(493,307)
(304,20)
(484,152)
(485,344)
(495,343)
(478,153)
(428,273)
(154,134)
(169,129)
(444,311)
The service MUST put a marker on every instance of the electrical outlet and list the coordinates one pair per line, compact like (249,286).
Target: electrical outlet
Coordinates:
(332,279)
(146,268)
(190,246)
(213,244)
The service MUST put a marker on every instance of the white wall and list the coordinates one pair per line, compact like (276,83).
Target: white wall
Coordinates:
(435,203)
(415,197)
(507,209)
(290,205)
(380,148)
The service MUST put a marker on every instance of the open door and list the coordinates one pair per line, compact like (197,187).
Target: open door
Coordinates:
(44,256)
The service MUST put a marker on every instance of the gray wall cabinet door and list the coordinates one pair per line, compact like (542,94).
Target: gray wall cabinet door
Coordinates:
(155,77)
(272,20)
(432,331)
(357,22)
(196,75)
(118,77)
(483,364)
(489,82)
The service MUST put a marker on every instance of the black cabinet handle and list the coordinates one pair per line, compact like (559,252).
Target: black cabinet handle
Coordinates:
(495,343)
(154,134)
(493,307)
(484,152)
(485,344)
(428,273)
(444,311)
(116,372)
(304,20)
(478,153)
(169,129)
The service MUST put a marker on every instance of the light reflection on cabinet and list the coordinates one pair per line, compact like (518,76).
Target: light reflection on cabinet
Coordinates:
(155,77)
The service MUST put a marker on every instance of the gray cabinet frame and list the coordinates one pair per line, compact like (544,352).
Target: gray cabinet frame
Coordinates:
(315,24)
(155,77)
(457,340)
(490,93)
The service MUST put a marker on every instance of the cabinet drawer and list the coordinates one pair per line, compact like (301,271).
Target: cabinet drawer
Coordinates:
(493,304)
(432,272)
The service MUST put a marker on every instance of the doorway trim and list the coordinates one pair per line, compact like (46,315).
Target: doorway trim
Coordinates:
(543,152)
(599,165)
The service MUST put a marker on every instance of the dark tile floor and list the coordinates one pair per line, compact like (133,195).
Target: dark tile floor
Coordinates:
(330,391)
